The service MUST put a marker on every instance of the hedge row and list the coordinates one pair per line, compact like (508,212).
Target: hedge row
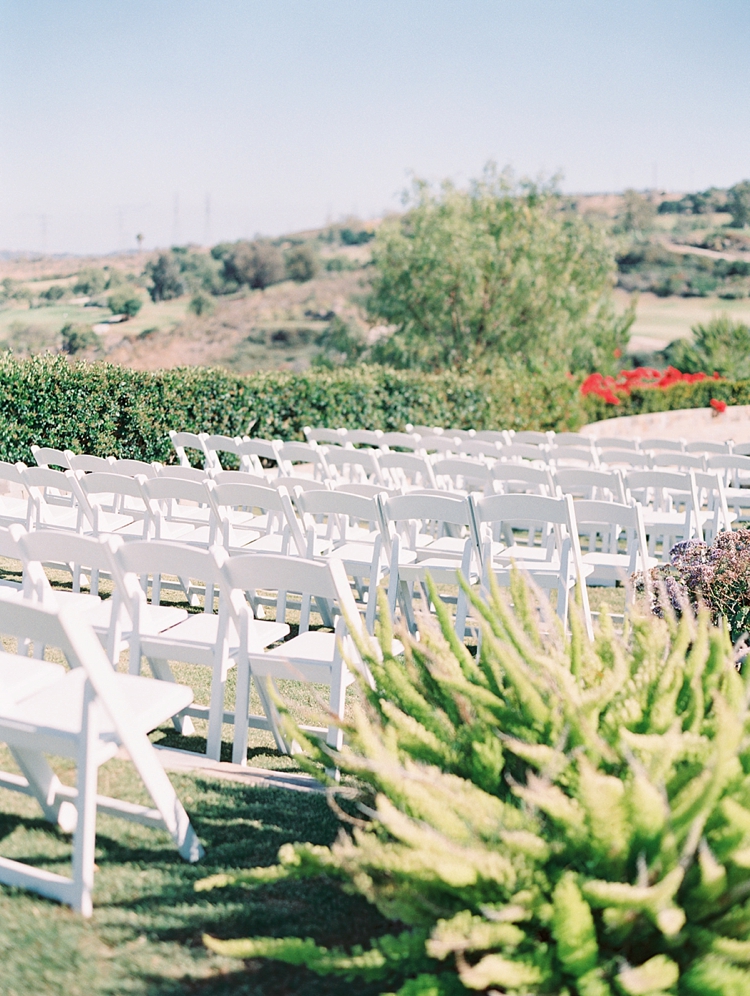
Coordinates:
(679,395)
(104,409)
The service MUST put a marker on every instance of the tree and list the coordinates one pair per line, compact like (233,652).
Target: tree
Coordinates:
(166,278)
(638,212)
(125,303)
(90,281)
(256,264)
(78,339)
(302,263)
(738,204)
(498,272)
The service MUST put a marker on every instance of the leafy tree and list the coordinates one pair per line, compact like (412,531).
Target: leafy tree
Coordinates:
(738,204)
(721,345)
(255,264)
(343,344)
(359,238)
(302,263)
(125,303)
(166,278)
(638,213)
(90,281)
(469,278)
(53,293)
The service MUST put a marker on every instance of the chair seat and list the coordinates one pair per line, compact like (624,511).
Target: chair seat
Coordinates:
(309,655)
(194,639)
(13,509)
(525,553)
(445,546)
(613,566)
(355,557)
(185,532)
(442,570)
(154,618)
(23,676)
(57,706)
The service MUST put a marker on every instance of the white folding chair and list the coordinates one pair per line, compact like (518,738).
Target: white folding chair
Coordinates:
(346,527)
(402,471)
(520,478)
(528,436)
(572,439)
(252,451)
(216,445)
(525,451)
(182,441)
(47,456)
(295,456)
(85,714)
(741,449)
(205,638)
(493,436)
(627,459)
(353,466)
(86,556)
(134,468)
(677,460)
(52,503)
(178,510)
(87,463)
(254,519)
(177,472)
(734,470)
(615,541)
(462,474)
(670,507)
(555,563)
(111,503)
(427,534)
(573,456)
(481,449)
(312,656)
(437,446)
(593,485)
(713,509)
(409,441)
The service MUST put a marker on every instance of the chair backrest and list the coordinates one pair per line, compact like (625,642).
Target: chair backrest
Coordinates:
(573,456)
(663,444)
(458,472)
(88,463)
(325,580)
(624,458)
(134,468)
(532,437)
(482,448)
(704,446)
(410,516)
(108,491)
(400,440)
(38,481)
(180,473)
(440,444)
(355,464)
(364,437)
(424,430)
(659,488)
(741,449)
(78,552)
(154,558)
(571,439)
(520,508)
(596,485)
(493,436)
(682,461)
(12,473)
(461,433)
(304,453)
(335,436)
(46,456)
(191,441)
(407,469)
(606,519)
(305,483)
(164,495)
(366,490)
(338,507)
(241,477)
(217,444)
(524,451)
(268,449)
(616,443)
(734,468)
(521,478)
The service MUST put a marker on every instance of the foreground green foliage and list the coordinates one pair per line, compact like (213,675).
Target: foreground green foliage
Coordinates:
(549,818)
(496,273)
(104,409)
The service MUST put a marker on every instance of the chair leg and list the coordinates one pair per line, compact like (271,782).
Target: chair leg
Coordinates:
(44,783)
(337,702)
(216,711)
(241,710)
(84,841)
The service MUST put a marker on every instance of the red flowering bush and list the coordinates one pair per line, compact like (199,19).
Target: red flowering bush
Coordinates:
(718,406)
(613,389)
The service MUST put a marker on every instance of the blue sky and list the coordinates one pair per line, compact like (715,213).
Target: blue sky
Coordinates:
(120,116)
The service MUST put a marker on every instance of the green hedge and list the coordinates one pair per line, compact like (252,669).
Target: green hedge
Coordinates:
(680,395)
(104,409)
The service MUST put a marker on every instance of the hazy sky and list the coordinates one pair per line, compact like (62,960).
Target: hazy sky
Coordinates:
(204,120)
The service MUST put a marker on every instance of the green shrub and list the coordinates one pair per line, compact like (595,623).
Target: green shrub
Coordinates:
(201,304)
(104,409)
(302,263)
(721,344)
(78,338)
(124,303)
(553,817)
